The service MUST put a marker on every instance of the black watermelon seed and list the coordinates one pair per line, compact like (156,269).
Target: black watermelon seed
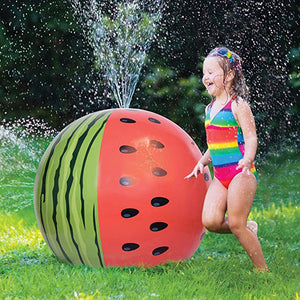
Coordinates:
(154,120)
(158,226)
(159,201)
(159,172)
(127,149)
(157,144)
(126,181)
(130,246)
(159,250)
(129,212)
(127,120)
(202,236)
(206,177)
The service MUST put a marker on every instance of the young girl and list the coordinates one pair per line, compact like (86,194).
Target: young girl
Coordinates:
(232,143)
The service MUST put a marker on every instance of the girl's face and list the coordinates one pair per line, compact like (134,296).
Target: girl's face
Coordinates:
(213,77)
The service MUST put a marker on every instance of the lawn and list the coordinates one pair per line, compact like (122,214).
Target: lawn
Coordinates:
(219,269)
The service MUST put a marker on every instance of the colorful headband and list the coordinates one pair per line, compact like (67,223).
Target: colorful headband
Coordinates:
(225,53)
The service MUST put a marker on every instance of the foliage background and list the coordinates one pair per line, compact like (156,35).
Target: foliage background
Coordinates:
(47,67)
(47,71)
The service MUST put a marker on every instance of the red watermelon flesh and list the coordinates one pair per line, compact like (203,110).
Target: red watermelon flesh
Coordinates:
(148,214)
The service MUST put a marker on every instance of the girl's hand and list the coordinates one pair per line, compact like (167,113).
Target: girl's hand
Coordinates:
(198,168)
(245,164)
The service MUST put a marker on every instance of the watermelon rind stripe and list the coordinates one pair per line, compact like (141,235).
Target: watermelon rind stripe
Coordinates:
(70,182)
(42,197)
(87,152)
(96,226)
(68,167)
(55,191)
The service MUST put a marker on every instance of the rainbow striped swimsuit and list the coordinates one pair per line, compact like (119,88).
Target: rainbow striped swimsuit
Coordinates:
(225,142)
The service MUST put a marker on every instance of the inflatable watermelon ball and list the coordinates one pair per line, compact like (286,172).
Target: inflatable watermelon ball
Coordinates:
(110,191)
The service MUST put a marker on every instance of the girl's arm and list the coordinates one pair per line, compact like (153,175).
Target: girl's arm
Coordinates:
(204,161)
(246,121)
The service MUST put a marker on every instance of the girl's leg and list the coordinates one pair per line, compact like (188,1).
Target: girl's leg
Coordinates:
(241,193)
(215,205)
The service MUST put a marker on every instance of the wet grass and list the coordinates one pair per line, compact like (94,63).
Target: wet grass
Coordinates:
(220,269)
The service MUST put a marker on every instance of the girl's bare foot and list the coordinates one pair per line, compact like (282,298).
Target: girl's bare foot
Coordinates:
(252,225)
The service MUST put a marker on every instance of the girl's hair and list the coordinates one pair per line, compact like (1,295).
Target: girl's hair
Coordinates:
(228,61)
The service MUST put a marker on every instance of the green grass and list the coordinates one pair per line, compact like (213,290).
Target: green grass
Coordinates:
(219,269)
